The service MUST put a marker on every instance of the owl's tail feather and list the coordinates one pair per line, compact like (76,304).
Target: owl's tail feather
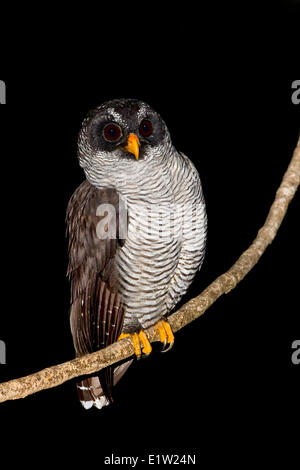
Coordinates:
(90,391)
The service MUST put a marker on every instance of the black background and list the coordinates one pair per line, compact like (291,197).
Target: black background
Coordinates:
(228,389)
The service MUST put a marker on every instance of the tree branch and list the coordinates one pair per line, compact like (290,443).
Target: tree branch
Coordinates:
(90,363)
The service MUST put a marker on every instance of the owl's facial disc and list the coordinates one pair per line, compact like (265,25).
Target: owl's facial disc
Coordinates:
(124,130)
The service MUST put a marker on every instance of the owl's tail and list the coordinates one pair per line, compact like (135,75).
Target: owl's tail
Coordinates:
(90,391)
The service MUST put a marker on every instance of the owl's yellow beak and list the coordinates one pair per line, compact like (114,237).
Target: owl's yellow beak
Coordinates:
(133,145)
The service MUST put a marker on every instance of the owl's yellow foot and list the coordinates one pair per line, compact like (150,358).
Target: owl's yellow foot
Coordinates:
(140,343)
(165,334)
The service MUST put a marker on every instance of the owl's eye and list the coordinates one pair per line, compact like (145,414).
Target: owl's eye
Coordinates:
(112,132)
(146,128)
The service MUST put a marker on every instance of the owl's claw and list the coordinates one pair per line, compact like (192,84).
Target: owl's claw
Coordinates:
(164,350)
(136,343)
(140,343)
(166,335)
(142,346)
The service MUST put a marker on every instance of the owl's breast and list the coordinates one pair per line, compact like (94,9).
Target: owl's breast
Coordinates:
(164,233)
(148,259)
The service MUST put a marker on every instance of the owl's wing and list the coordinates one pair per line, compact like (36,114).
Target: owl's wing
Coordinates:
(97,312)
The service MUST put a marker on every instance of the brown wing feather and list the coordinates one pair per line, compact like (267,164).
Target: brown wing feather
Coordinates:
(97,312)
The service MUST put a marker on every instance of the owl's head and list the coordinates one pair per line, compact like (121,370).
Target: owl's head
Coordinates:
(120,135)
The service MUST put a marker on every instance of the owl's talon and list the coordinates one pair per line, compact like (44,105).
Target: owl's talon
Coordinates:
(163,350)
(165,334)
(145,355)
(146,346)
(140,343)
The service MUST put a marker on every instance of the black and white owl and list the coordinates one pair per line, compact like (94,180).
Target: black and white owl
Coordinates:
(137,233)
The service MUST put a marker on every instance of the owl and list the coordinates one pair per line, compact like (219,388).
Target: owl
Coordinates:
(137,230)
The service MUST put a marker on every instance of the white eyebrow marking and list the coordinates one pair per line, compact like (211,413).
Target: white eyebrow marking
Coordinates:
(142,111)
(117,116)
